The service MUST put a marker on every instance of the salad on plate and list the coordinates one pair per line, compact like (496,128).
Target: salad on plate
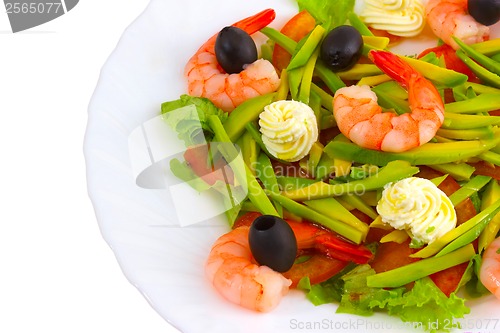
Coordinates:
(364,177)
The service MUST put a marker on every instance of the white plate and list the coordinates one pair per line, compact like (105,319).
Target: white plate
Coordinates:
(163,260)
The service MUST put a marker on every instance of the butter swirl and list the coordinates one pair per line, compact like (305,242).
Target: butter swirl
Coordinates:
(419,207)
(404,18)
(289,129)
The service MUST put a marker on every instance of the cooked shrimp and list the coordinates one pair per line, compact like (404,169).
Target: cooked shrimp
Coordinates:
(207,79)
(361,119)
(449,18)
(231,269)
(489,273)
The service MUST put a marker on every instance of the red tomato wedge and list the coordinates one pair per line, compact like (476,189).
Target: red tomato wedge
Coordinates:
(447,280)
(296,28)
(318,268)
(451,59)
(210,171)
(486,169)
(392,255)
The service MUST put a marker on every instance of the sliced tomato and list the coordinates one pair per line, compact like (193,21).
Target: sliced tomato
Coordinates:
(198,159)
(451,59)
(318,268)
(447,280)
(487,169)
(296,28)
(392,255)
(246,219)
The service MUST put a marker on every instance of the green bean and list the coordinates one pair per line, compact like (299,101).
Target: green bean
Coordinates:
(459,171)
(459,121)
(440,243)
(305,84)
(488,48)
(332,208)
(326,98)
(481,72)
(481,88)
(302,56)
(289,183)
(249,151)
(467,134)
(490,156)
(283,89)
(358,71)
(243,174)
(307,213)
(427,154)
(392,88)
(439,75)
(359,204)
(357,23)
(294,80)
(282,40)
(387,101)
(393,171)
(480,58)
(481,103)
(332,80)
(265,172)
(490,195)
(374,80)
(468,189)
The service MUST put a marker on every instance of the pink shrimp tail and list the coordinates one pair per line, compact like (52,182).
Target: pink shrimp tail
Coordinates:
(393,66)
(256,22)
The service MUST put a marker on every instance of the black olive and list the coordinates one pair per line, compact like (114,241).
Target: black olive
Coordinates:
(486,12)
(341,48)
(272,243)
(234,48)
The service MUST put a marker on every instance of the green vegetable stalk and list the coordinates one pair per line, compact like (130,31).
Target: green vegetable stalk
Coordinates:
(332,208)
(427,154)
(346,230)
(482,217)
(244,113)
(400,276)
(265,172)
(393,171)
(490,195)
(255,192)
(468,189)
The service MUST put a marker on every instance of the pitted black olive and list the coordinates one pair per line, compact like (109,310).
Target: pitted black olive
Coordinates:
(341,48)
(234,48)
(486,12)
(272,242)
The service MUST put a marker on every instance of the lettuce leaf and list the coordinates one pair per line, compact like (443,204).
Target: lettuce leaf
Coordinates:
(188,116)
(424,305)
(328,13)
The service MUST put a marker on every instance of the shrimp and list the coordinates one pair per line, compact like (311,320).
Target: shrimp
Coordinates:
(236,277)
(449,18)
(489,273)
(232,270)
(207,79)
(361,119)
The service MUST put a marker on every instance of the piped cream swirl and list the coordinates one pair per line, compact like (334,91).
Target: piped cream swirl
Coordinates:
(419,207)
(289,129)
(404,18)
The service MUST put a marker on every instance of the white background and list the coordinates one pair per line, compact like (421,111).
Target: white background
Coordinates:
(57,274)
